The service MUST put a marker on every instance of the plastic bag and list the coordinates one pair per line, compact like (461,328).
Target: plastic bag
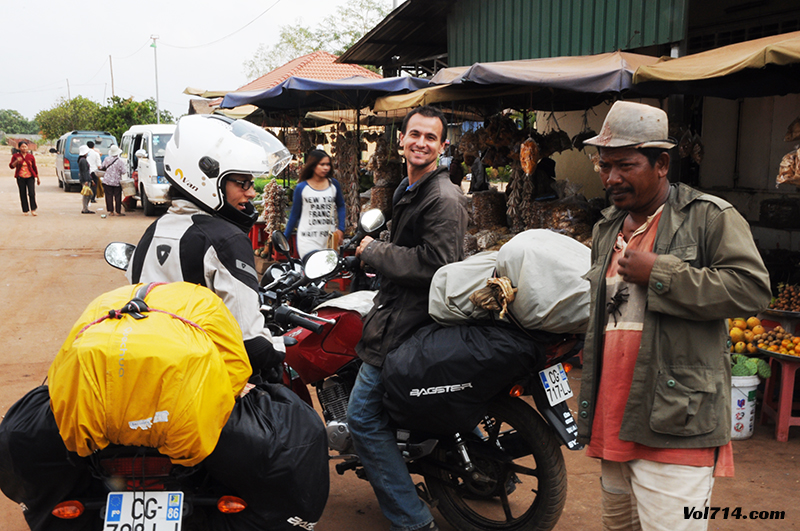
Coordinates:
(86,190)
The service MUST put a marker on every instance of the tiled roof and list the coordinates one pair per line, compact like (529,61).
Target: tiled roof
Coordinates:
(316,65)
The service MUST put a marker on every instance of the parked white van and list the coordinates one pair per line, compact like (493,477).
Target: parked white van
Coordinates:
(143,147)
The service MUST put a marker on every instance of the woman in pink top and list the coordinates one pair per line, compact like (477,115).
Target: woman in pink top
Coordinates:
(25,172)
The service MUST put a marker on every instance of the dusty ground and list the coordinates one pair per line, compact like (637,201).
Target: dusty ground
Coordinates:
(51,267)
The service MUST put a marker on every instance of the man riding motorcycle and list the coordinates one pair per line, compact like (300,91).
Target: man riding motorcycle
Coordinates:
(211,162)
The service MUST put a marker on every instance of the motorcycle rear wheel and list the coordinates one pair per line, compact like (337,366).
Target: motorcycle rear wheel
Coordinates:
(521,455)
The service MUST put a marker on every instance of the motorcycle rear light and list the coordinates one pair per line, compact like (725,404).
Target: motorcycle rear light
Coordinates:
(231,505)
(68,510)
(144,484)
(138,466)
(517,391)
(567,367)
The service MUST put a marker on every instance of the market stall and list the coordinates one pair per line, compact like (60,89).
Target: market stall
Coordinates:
(510,143)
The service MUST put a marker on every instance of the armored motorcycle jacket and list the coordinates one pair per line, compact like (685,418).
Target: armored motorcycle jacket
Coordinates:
(188,244)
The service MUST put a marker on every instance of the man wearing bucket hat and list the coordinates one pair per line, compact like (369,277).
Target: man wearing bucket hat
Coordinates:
(669,264)
(115,169)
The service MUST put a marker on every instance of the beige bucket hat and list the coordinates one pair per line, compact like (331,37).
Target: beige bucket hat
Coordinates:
(636,125)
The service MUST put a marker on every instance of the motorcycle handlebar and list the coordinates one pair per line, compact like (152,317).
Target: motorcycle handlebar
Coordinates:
(284,315)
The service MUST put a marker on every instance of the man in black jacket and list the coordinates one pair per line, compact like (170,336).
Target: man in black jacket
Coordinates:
(429,220)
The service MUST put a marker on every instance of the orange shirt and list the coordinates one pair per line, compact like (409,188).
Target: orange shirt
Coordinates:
(627,304)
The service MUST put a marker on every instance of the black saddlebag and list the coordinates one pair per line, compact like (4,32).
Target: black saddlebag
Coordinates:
(441,379)
(35,467)
(272,453)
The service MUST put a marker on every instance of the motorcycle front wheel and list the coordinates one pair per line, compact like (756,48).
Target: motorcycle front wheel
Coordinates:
(522,480)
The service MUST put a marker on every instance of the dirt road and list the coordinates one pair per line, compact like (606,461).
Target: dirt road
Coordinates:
(51,267)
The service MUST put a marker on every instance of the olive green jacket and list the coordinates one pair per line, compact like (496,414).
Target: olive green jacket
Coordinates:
(709,269)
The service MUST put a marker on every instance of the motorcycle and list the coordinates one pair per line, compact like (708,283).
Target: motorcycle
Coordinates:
(129,488)
(507,474)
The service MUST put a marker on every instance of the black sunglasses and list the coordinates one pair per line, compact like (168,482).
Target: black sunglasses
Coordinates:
(243,184)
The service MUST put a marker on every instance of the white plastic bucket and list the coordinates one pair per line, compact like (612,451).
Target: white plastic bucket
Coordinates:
(743,406)
(128,187)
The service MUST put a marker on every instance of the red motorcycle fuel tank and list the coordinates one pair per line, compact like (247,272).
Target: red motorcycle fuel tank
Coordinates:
(317,356)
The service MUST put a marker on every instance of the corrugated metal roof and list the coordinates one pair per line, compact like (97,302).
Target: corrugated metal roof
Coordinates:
(416,30)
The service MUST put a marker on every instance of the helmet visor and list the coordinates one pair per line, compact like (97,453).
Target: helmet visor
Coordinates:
(277,156)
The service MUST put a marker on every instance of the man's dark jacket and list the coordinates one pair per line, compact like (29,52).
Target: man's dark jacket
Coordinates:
(428,226)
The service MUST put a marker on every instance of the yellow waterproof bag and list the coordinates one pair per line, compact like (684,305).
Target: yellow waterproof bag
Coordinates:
(157,365)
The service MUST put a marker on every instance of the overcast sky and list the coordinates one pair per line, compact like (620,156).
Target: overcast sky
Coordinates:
(52,44)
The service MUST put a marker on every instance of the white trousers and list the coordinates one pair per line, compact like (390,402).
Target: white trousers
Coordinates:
(643,495)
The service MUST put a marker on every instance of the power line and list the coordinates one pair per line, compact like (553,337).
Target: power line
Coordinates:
(226,36)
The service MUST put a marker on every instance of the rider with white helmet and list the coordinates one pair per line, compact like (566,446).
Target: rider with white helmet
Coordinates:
(211,162)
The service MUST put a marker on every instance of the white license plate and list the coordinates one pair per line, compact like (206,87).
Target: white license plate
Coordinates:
(556,386)
(144,511)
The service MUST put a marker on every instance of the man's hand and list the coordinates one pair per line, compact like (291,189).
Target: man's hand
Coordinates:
(363,245)
(635,266)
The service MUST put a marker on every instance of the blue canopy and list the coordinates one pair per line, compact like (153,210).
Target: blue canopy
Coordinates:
(303,94)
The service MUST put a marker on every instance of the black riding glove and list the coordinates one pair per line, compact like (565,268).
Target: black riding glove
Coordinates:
(264,358)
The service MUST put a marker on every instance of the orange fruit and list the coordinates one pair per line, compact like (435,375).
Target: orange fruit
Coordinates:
(759,330)
(748,336)
(737,334)
(751,348)
(796,340)
(739,323)
(740,347)
(753,322)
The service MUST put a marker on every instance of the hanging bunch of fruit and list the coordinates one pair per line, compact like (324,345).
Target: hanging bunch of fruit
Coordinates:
(345,170)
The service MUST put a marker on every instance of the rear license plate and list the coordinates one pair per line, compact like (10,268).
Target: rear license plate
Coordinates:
(144,511)
(555,383)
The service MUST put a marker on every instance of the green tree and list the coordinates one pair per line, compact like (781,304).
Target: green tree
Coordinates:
(294,41)
(14,123)
(352,21)
(67,115)
(335,34)
(120,114)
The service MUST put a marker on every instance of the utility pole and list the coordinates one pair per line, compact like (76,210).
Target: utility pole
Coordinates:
(111,67)
(68,96)
(155,56)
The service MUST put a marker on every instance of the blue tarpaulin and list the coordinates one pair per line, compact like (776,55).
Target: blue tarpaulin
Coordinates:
(303,94)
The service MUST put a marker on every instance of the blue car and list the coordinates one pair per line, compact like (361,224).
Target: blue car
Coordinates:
(66,151)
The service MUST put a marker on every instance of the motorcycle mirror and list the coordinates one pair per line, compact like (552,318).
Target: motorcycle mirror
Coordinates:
(119,254)
(280,242)
(320,263)
(371,220)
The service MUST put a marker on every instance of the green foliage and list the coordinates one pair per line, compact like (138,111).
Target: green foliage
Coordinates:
(335,34)
(119,115)
(66,115)
(12,122)
(81,113)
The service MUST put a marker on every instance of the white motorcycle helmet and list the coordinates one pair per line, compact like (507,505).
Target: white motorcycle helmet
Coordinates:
(205,149)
